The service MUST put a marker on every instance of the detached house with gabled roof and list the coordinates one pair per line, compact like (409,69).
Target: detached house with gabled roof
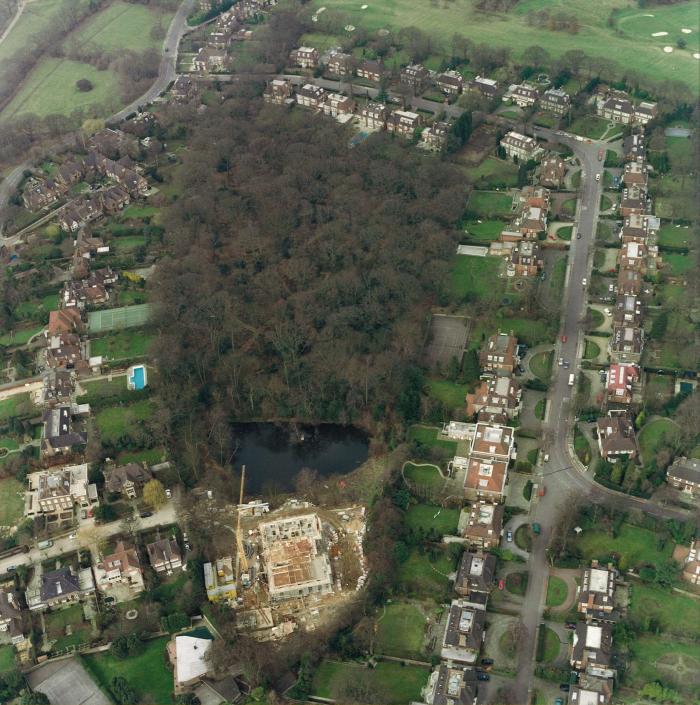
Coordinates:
(464,633)
(556,101)
(475,574)
(486,86)
(340,64)
(520,147)
(374,116)
(126,479)
(415,76)
(523,95)
(552,171)
(451,685)
(620,382)
(165,555)
(338,105)
(499,356)
(484,525)
(278,91)
(450,82)
(121,567)
(305,57)
(11,620)
(371,70)
(403,123)
(495,397)
(635,174)
(684,474)
(311,96)
(435,136)
(616,438)
(617,109)
(634,149)
(591,646)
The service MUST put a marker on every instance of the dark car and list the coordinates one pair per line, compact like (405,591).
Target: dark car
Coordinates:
(145,515)
(487,662)
(571,625)
(578,236)
(483,676)
(565,687)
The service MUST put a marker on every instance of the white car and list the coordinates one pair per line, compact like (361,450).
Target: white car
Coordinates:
(73,536)
(597,177)
(561,361)
(584,281)
(607,311)
(168,493)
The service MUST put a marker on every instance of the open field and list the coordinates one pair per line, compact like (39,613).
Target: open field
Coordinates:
(11,502)
(487,230)
(635,546)
(475,277)
(151,456)
(121,345)
(490,204)
(595,38)
(146,672)
(449,393)
(427,516)
(651,436)
(676,614)
(672,236)
(400,629)
(7,658)
(50,88)
(428,436)
(493,173)
(100,388)
(115,422)
(20,336)
(19,404)
(670,661)
(424,577)
(424,476)
(396,683)
(678,264)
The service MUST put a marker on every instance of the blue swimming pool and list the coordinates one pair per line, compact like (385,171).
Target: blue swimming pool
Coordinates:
(137,377)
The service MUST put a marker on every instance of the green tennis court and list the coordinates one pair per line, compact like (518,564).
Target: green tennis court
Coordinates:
(116,318)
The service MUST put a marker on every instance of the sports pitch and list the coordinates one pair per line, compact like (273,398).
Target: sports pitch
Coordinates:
(118,318)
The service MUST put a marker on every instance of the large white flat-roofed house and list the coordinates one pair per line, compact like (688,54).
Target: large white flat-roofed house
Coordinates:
(296,561)
(597,589)
(59,490)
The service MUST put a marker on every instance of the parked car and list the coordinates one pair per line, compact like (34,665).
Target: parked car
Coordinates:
(597,177)
(566,364)
(565,687)
(584,281)
(487,662)
(509,535)
(72,536)
(561,362)
(564,338)
(145,515)
(501,584)
(578,236)
(483,676)
(607,312)
(543,491)
(559,701)
(571,625)
(168,493)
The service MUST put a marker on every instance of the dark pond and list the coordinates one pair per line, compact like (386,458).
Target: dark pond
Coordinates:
(274,454)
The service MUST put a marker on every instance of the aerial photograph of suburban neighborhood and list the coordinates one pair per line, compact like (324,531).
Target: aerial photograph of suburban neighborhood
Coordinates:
(349,352)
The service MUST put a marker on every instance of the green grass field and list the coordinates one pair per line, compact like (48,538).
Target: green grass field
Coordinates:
(151,456)
(122,345)
(487,230)
(20,336)
(424,476)
(428,516)
(475,277)
(551,645)
(493,173)
(7,658)
(541,365)
(490,204)
(34,307)
(651,436)
(516,583)
(449,393)
(676,614)
(635,546)
(589,126)
(591,350)
(556,591)
(420,576)
(671,236)
(677,264)
(100,388)
(428,436)
(527,330)
(11,501)
(17,405)
(400,630)
(117,421)
(50,88)
(670,661)
(147,672)
(595,38)
(118,318)
(391,682)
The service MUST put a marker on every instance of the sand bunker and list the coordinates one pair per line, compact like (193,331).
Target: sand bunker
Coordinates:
(685,30)
(668,50)
(660,34)
(647,15)
(364,7)
(383,32)
(349,27)
(696,55)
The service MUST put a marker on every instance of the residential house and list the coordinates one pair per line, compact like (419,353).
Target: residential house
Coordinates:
(634,149)
(475,574)
(223,690)
(165,555)
(617,109)
(416,77)
(626,344)
(184,89)
(524,95)
(464,633)
(340,64)
(220,580)
(552,172)
(65,352)
(616,438)
(450,82)
(451,685)
(127,479)
(65,320)
(629,282)
(645,112)
(374,116)
(81,294)
(591,646)
(435,136)
(495,397)
(596,597)
(58,386)
(627,311)
(583,696)
(112,143)
(632,256)
(40,194)
(525,260)
(634,201)
(11,621)
(59,490)
(486,86)
(635,174)
(519,147)
(536,196)
(640,228)
(220,38)
(278,91)
(500,354)
(69,174)
(305,57)
(338,105)
(188,654)
(556,101)
(691,565)
(493,441)
(684,474)
(310,96)
(114,199)
(531,222)
(484,525)
(58,435)
(59,587)
(209,59)
(620,383)
(403,123)
(122,567)
(485,478)
(371,70)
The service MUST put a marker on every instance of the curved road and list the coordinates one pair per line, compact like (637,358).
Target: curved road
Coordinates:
(166,73)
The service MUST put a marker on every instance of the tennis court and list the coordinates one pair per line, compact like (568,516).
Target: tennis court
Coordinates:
(117,318)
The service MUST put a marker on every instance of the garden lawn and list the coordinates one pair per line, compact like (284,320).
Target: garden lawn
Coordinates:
(122,345)
(476,277)
(393,683)
(9,443)
(17,405)
(490,204)
(19,336)
(424,476)
(127,243)
(589,126)
(652,435)
(527,330)
(556,591)
(568,207)
(146,672)
(635,546)
(676,614)
(38,306)
(427,435)
(101,388)
(423,516)
(400,630)
(487,230)
(605,203)
(425,578)
(677,263)
(449,393)
(492,172)
(11,501)
(596,317)
(115,422)
(516,583)
(541,365)
(671,236)
(550,646)
(141,211)
(50,89)
(591,350)
(7,658)
(656,658)
(565,232)
(150,456)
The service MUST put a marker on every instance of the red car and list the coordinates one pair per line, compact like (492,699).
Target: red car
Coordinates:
(501,584)
(564,338)
(542,491)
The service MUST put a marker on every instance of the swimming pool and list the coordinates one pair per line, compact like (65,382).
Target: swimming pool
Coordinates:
(136,377)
